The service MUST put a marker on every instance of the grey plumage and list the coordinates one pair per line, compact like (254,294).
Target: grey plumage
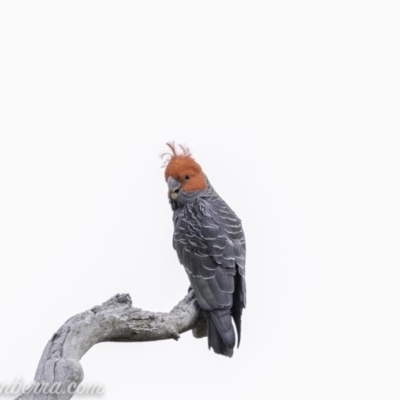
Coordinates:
(210,243)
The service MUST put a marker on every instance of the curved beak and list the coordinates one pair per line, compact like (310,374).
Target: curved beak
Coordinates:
(173,186)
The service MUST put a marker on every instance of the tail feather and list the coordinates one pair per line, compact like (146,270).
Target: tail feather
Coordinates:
(221,335)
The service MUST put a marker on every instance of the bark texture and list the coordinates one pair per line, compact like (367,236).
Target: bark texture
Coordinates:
(114,321)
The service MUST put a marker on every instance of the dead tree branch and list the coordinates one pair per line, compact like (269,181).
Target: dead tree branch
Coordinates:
(114,321)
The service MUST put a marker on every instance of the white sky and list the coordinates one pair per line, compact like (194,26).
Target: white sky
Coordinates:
(292,109)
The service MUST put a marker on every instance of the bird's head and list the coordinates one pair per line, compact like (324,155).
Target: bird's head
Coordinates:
(183,174)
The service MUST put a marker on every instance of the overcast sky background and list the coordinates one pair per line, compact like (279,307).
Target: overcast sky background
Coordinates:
(291,108)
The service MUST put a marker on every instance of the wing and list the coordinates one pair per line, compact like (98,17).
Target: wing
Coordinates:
(210,244)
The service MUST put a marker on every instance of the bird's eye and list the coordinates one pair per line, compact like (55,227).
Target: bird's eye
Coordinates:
(187,177)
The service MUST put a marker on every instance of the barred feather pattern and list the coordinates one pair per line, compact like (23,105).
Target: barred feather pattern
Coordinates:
(210,243)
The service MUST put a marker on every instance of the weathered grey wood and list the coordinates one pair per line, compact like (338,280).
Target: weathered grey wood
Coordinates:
(114,321)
